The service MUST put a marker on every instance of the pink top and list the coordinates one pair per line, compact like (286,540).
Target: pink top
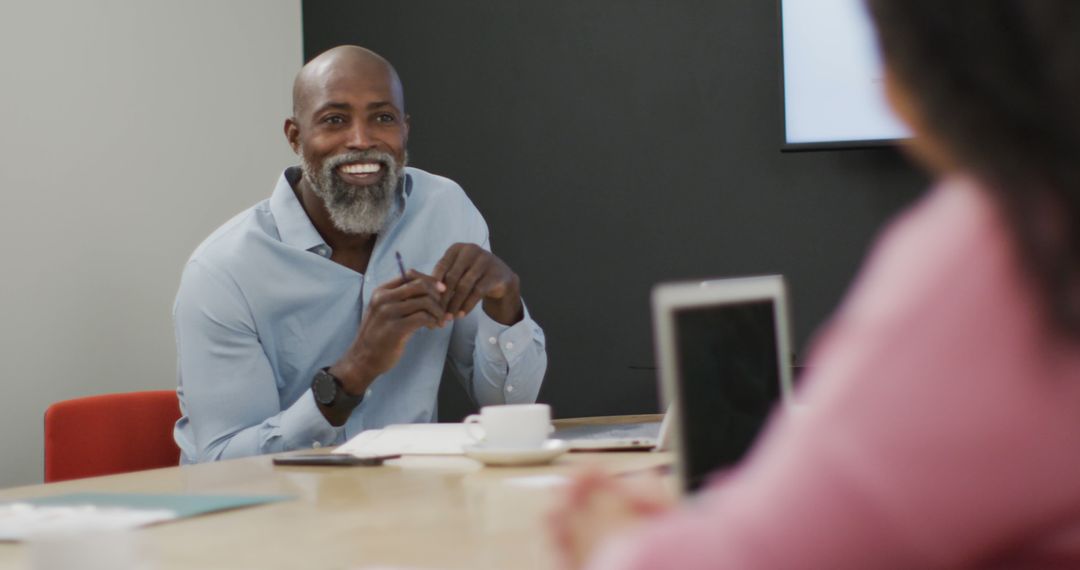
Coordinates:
(939,427)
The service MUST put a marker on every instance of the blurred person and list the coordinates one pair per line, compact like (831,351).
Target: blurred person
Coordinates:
(939,425)
(297,324)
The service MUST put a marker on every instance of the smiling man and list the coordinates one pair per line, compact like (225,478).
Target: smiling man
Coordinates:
(296,325)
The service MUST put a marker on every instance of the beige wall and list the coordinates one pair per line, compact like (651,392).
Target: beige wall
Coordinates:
(131,129)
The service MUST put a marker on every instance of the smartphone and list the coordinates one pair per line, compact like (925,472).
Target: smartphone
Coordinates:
(332,459)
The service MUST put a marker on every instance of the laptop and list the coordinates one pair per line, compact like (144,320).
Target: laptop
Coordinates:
(723,355)
(630,436)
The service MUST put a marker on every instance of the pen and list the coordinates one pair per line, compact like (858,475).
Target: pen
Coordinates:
(401,266)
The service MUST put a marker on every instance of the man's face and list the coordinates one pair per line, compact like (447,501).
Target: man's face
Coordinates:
(350,131)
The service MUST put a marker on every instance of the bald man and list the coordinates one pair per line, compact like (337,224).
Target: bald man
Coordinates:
(331,307)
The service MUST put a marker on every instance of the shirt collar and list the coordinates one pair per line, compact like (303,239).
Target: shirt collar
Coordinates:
(293,224)
(406,189)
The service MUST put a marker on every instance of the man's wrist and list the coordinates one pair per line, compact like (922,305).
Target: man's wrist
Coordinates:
(505,311)
(335,403)
(353,376)
(508,309)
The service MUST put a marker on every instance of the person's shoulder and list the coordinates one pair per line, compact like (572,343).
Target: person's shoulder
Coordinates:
(442,208)
(953,246)
(438,194)
(427,186)
(230,240)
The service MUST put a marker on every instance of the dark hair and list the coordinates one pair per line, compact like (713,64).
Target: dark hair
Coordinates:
(998,83)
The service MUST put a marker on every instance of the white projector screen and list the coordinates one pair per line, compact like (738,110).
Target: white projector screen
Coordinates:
(833,79)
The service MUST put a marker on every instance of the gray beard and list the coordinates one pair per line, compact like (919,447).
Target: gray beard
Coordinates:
(362,210)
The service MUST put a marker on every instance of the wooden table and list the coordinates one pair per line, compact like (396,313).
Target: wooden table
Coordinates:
(413,512)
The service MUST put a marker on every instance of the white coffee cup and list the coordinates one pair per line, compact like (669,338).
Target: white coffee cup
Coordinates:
(514,426)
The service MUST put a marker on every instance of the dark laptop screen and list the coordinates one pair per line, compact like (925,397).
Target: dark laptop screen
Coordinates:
(727,364)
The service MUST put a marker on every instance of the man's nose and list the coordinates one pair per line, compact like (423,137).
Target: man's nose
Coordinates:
(360,137)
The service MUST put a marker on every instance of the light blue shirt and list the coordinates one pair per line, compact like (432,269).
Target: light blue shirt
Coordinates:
(261,308)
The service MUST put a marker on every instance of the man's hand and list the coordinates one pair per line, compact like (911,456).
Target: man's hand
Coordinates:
(397,309)
(471,273)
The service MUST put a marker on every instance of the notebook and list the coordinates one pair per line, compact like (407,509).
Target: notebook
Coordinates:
(723,354)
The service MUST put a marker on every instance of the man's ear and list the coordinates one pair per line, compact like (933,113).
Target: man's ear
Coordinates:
(292,134)
(408,125)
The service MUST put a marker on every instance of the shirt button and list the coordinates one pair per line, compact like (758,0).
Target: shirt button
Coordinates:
(316,445)
(509,388)
(367,393)
(509,346)
(493,340)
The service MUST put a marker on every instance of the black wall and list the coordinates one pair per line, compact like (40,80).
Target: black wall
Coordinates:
(612,144)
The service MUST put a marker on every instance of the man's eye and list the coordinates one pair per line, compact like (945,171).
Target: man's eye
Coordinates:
(334,120)
(386,118)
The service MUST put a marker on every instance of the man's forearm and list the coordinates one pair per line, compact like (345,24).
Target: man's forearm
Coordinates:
(301,426)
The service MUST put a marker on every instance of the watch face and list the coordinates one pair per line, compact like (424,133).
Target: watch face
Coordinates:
(324,387)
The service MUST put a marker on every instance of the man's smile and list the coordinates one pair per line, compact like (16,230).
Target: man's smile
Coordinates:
(361,173)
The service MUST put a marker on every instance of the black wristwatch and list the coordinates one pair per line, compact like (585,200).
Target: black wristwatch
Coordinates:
(329,392)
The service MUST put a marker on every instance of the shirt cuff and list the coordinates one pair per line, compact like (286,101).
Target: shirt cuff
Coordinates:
(303,426)
(502,343)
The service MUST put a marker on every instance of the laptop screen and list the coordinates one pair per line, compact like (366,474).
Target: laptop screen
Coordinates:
(726,358)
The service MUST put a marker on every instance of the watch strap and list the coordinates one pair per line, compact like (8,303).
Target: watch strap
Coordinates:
(338,407)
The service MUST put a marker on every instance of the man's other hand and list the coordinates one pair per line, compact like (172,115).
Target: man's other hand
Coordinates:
(470,274)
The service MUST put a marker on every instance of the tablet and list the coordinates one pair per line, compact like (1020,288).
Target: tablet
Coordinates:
(723,356)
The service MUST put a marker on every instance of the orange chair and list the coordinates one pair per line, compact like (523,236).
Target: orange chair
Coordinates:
(111,433)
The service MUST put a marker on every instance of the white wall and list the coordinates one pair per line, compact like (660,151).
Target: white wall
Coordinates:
(130,130)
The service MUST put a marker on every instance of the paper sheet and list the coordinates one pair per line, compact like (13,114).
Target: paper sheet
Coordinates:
(80,511)
(21,520)
(411,439)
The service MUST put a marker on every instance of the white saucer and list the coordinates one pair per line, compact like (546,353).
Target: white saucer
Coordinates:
(547,452)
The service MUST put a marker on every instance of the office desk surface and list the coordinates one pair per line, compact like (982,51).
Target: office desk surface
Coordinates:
(414,512)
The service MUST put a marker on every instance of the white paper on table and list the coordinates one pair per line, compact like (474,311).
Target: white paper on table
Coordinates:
(19,521)
(411,439)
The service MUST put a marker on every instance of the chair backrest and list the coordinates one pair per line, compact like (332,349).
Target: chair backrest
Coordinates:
(111,433)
